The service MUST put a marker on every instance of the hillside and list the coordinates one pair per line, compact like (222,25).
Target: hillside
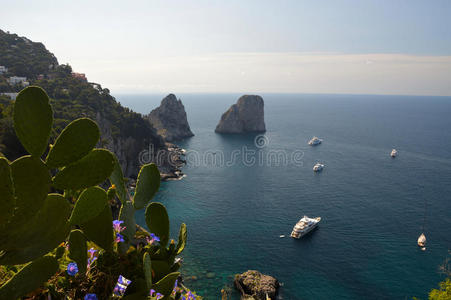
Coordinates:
(123,131)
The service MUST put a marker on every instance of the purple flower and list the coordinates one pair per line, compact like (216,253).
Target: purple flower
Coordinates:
(121,286)
(119,238)
(92,251)
(117,226)
(152,291)
(154,237)
(91,297)
(159,296)
(72,269)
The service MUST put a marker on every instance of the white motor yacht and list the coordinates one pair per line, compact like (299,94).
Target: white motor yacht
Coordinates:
(304,226)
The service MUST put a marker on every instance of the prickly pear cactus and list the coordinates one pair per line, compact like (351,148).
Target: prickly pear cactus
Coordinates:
(33,223)
(36,227)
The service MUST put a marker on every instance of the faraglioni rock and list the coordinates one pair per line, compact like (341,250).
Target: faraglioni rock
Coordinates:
(255,285)
(246,115)
(170,119)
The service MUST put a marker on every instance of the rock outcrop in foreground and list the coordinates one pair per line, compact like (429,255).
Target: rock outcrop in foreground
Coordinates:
(255,285)
(246,115)
(170,119)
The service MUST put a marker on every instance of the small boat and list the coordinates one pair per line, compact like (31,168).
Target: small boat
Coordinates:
(318,167)
(315,141)
(304,226)
(394,153)
(422,241)
(282,235)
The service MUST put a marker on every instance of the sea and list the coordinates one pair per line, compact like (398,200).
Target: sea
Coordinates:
(243,194)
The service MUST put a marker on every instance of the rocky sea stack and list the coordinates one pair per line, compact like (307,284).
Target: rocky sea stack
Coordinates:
(246,115)
(170,119)
(255,285)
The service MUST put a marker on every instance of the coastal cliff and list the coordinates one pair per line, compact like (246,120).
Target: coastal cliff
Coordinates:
(247,115)
(169,119)
(126,133)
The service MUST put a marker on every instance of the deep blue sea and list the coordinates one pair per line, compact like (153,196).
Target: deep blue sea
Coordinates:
(372,206)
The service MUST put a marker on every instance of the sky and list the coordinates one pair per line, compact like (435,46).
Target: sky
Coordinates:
(246,46)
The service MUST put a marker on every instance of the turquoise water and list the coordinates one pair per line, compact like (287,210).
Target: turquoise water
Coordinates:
(372,205)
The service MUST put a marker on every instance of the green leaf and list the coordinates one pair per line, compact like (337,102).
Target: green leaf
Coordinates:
(158,221)
(40,235)
(90,204)
(78,250)
(7,201)
(100,229)
(33,119)
(147,185)
(91,170)
(147,266)
(166,284)
(31,180)
(117,178)
(74,142)
(31,277)
(182,239)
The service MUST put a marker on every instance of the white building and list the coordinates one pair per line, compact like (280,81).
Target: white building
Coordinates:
(18,80)
(3,69)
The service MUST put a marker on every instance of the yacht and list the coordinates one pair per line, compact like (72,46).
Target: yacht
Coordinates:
(315,141)
(304,226)
(394,153)
(318,167)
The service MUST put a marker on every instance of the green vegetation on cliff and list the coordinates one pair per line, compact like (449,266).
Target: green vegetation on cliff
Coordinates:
(70,97)
(23,57)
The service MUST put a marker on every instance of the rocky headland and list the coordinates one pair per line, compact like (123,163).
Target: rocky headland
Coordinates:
(247,115)
(169,119)
(254,285)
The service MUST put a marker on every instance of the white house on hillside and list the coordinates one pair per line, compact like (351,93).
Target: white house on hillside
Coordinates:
(18,80)
(3,69)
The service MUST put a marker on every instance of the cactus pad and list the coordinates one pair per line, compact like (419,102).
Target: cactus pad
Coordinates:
(33,119)
(31,180)
(7,201)
(100,229)
(182,239)
(90,204)
(117,178)
(147,185)
(147,266)
(78,250)
(91,170)
(158,221)
(74,142)
(166,284)
(127,214)
(31,277)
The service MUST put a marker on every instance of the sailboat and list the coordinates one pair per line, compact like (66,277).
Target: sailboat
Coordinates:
(422,241)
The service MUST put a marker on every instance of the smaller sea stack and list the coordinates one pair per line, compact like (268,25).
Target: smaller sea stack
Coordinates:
(247,115)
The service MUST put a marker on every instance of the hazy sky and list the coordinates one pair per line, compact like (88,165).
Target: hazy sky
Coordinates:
(248,46)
